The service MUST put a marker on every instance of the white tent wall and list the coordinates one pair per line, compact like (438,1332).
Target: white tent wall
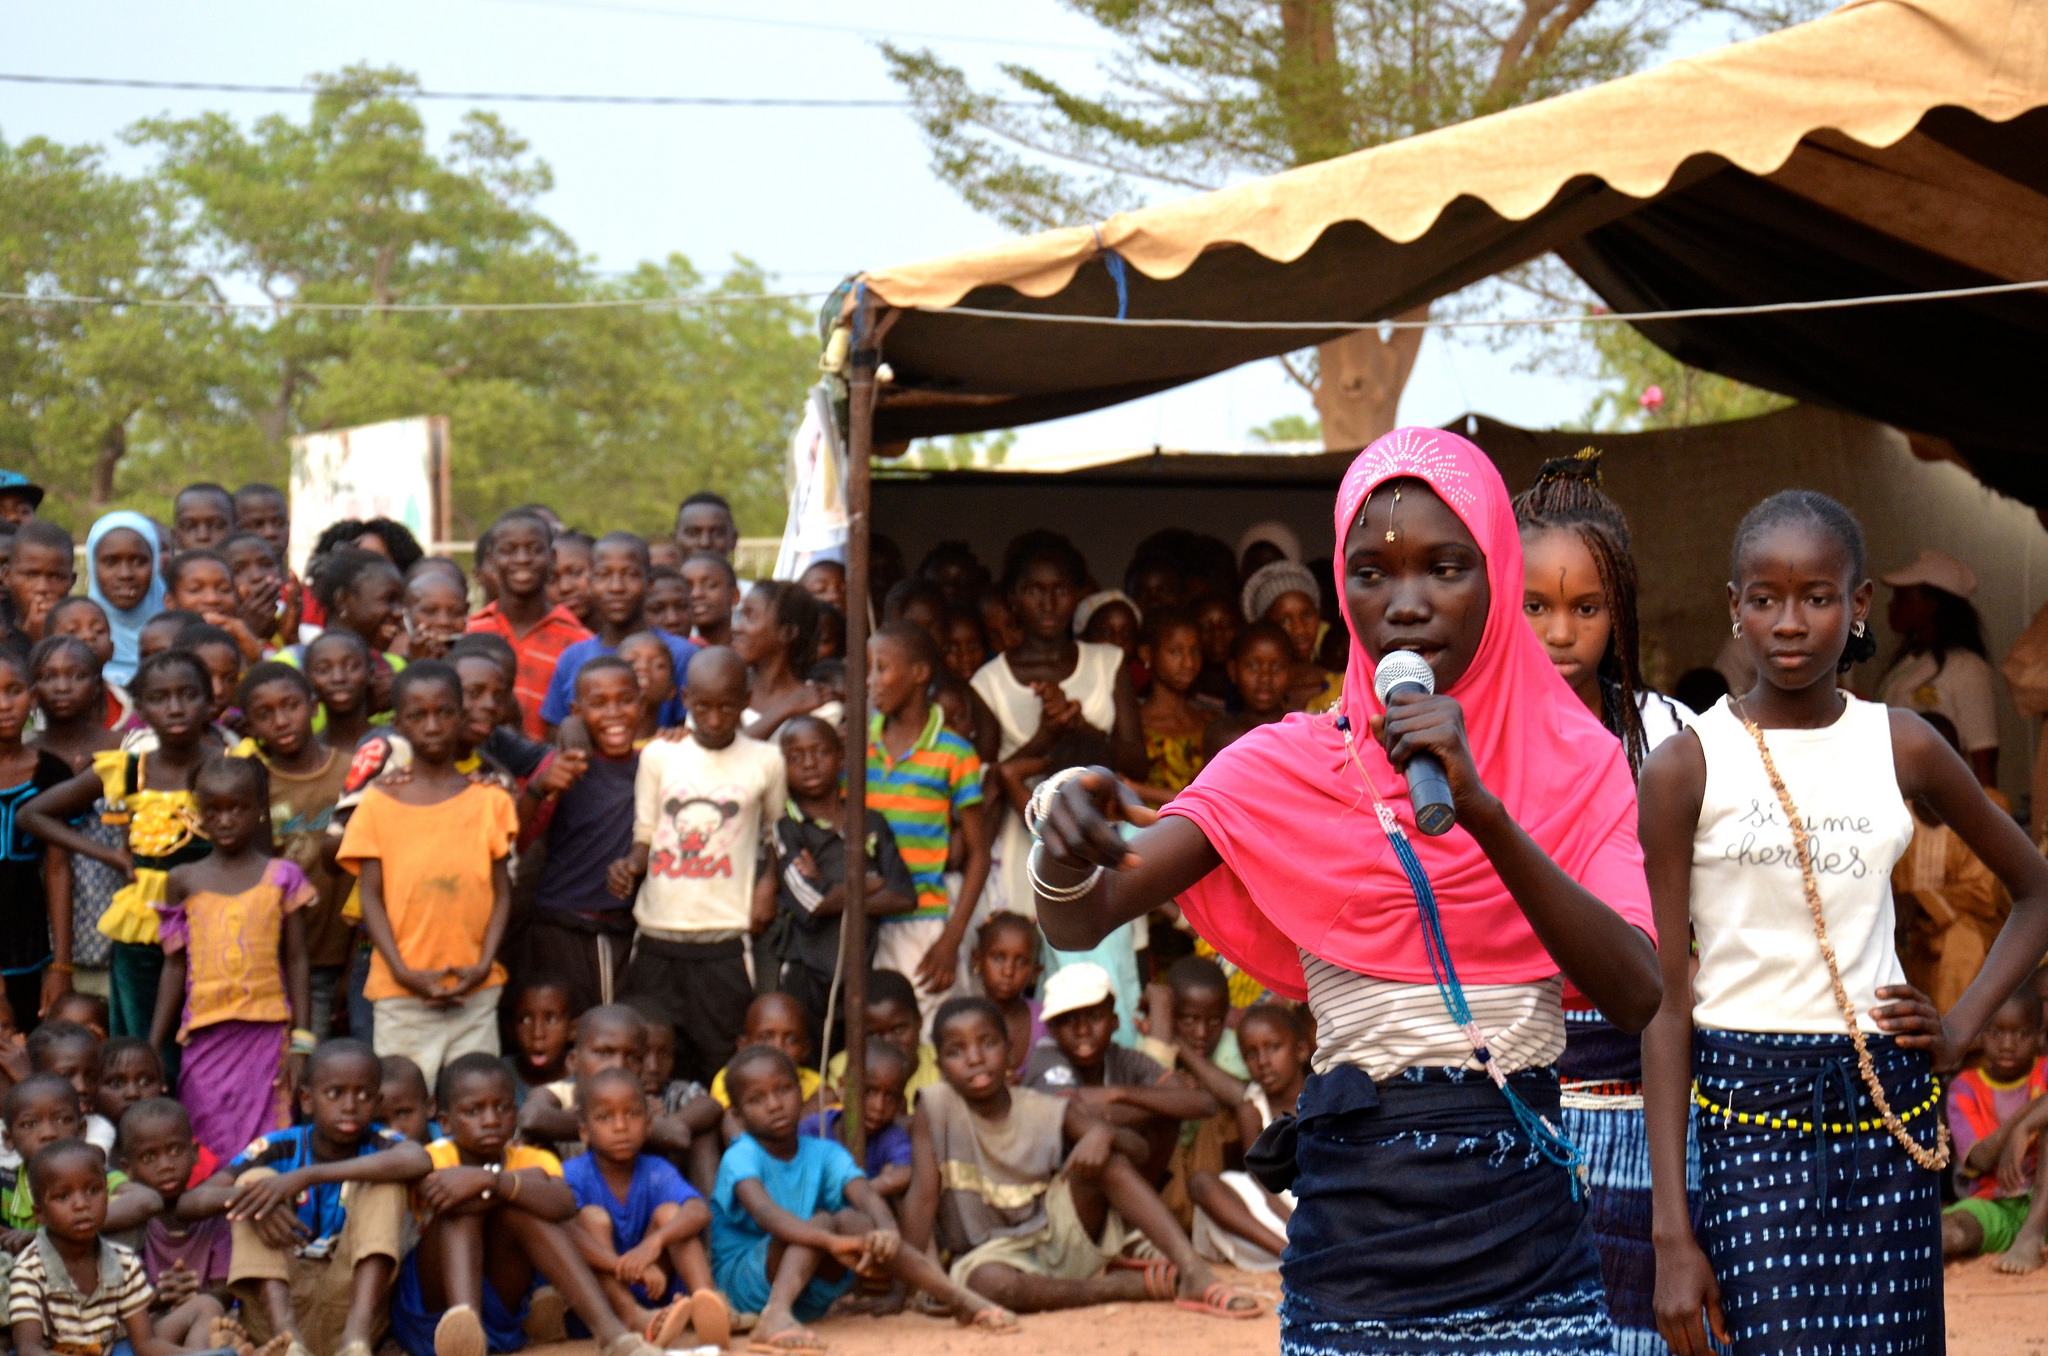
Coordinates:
(1684,490)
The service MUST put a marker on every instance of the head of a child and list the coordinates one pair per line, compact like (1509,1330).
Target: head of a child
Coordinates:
(173,693)
(1080,1012)
(973,1043)
(609,1036)
(426,707)
(17,695)
(264,510)
(901,661)
(704,522)
(88,1010)
(339,1094)
(405,1105)
(1006,956)
(541,1028)
(892,1012)
(812,757)
(233,796)
(2012,1038)
(1274,1046)
(660,1066)
(71,1052)
(69,1182)
(618,579)
(81,617)
(962,643)
(1261,663)
(131,1071)
(715,692)
(884,1097)
(201,581)
(1172,649)
(712,589)
(252,562)
(611,1113)
(668,599)
(157,1146)
(779,1022)
(202,516)
(570,586)
(477,1109)
(766,1096)
(654,668)
(486,692)
(338,666)
(363,592)
(277,701)
(40,574)
(436,607)
(1201,1001)
(223,659)
(42,1109)
(608,699)
(522,555)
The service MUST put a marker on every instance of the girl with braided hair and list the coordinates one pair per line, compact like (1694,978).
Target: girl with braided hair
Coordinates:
(1579,596)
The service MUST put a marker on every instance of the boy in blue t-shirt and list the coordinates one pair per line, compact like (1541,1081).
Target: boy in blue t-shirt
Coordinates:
(794,1219)
(890,1150)
(639,1225)
(315,1207)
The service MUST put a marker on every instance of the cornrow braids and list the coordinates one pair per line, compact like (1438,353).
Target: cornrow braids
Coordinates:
(1813,509)
(1567,498)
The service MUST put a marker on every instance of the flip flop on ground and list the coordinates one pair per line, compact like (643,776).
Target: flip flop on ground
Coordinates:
(1162,1278)
(1218,1300)
(711,1317)
(668,1324)
(792,1341)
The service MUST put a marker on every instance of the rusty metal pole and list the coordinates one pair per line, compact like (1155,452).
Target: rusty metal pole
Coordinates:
(853,932)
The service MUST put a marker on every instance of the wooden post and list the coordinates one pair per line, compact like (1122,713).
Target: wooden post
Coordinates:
(853,930)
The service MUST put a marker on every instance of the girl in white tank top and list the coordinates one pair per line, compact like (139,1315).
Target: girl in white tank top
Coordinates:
(1769,834)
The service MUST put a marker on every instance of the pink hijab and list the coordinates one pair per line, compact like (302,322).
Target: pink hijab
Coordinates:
(1305,865)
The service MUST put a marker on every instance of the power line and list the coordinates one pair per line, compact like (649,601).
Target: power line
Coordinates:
(413,308)
(472,96)
(856,30)
(1505,322)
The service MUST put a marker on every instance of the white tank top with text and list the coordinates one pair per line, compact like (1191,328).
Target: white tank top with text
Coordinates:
(1760,965)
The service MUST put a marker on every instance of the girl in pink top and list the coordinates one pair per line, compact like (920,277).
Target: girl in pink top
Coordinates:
(235,981)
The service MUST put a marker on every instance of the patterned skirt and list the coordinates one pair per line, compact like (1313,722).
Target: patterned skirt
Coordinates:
(1824,1235)
(1426,1222)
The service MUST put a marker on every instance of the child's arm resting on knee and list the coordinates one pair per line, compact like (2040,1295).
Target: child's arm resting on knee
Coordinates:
(1174,1095)
(543,1120)
(130,1206)
(1094,1139)
(261,1199)
(2006,1153)
(779,1224)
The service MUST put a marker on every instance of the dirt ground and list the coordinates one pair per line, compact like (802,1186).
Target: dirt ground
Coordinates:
(1989,1314)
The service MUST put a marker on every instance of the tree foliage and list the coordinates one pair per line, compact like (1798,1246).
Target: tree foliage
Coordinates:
(1646,388)
(608,414)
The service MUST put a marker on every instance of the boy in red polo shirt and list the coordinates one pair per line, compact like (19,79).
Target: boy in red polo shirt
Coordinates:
(522,558)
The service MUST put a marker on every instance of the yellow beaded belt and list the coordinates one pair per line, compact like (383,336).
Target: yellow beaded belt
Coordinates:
(1763,1121)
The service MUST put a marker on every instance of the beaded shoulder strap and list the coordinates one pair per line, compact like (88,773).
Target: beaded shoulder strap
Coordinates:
(1938,1159)
(1548,1139)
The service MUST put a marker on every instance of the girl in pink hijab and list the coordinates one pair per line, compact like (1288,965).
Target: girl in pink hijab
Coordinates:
(1438,1208)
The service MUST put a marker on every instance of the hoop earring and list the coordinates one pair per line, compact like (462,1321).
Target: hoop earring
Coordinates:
(1859,630)
(1735,629)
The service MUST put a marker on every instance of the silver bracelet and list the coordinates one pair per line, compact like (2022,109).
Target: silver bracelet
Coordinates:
(1058,894)
(1040,804)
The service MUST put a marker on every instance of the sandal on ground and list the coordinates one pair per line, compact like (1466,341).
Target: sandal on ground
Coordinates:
(460,1333)
(668,1324)
(796,1341)
(1215,1301)
(1162,1278)
(711,1317)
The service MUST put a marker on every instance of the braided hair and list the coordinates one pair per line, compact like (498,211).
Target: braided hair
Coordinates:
(1567,498)
(1811,508)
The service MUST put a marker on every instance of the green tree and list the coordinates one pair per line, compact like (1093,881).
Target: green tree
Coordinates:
(1632,368)
(1287,428)
(608,414)
(962,451)
(1200,93)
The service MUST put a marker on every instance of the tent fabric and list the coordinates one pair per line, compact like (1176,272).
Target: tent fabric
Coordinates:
(1892,145)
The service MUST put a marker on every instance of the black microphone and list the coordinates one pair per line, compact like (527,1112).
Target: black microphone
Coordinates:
(1429,791)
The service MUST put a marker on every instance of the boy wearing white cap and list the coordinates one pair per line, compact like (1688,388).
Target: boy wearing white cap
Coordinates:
(1941,667)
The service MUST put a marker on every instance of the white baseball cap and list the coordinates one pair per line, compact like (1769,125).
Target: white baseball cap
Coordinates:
(1936,569)
(1073,987)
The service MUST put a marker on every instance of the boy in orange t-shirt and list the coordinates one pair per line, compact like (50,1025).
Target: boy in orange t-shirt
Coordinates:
(431,854)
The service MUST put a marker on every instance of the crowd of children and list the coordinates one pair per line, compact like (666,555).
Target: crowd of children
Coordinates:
(395,950)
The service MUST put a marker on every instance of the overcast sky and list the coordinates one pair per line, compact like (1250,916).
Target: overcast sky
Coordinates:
(809,195)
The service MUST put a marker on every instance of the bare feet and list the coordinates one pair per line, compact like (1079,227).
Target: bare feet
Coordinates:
(231,1335)
(2024,1255)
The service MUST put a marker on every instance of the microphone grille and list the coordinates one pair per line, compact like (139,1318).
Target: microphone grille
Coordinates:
(1402,666)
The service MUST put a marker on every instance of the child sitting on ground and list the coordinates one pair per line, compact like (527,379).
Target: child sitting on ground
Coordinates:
(1993,1113)
(130,1071)
(893,1016)
(881,1114)
(779,1022)
(431,854)
(639,1225)
(541,1027)
(404,1103)
(612,1036)
(1237,1220)
(40,1110)
(1121,1085)
(794,1220)
(1190,1010)
(1006,963)
(75,1290)
(72,1053)
(1261,663)
(187,1260)
(495,1216)
(683,1111)
(318,1211)
(1020,1226)
(235,980)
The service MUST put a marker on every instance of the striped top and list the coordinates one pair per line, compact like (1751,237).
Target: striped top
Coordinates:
(1384,1025)
(538,651)
(920,794)
(76,1324)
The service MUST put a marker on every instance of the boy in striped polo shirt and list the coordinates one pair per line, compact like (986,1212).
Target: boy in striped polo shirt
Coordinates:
(926,781)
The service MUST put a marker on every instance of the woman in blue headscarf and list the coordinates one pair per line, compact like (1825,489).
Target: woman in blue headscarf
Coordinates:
(121,575)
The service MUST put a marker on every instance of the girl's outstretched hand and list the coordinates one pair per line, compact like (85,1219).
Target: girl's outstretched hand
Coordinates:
(1909,1018)
(1080,823)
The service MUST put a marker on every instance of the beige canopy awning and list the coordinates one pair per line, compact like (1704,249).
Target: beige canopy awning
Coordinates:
(1891,146)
